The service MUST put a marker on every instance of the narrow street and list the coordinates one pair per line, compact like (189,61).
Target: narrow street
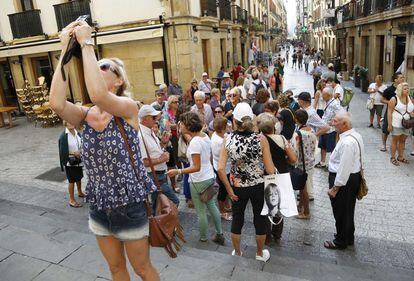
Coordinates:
(42,238)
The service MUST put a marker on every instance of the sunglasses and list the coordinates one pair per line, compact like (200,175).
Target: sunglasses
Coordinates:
(218,111)
(105,66)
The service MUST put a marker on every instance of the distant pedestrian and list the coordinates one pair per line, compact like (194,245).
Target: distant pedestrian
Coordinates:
(316,73)
(376,90)
(276,83)
(306,61)
(388,94)
(261,98)
(318,102)
(202,109)
(175,89)
(294,60)
(399,107)
(344,180)
(70,146)
(286,117)
(205,84)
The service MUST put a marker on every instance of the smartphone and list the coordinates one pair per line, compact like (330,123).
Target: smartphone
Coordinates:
(83,18)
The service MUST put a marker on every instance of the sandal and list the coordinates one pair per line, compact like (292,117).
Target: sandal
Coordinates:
(226,216)
(303,216)
(403,160)
(75,205)
(394,162)
(332,246)
(81,195)
(383,149)
(319,165)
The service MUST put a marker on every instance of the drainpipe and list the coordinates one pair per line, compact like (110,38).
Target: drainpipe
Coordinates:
(164,50)
(175,42)
(22,68)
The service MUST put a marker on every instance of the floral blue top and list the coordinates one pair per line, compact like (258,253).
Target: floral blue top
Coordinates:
(111,179)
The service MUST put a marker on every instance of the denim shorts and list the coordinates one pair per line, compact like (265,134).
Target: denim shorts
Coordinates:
(125,223)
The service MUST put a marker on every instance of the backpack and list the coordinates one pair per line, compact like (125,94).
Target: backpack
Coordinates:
(258,86)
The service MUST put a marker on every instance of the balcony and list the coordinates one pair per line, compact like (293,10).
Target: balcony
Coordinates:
(225,10)
(208,8)
(237,14)
(245,17)
(256,25)
(67,12)
(26,24)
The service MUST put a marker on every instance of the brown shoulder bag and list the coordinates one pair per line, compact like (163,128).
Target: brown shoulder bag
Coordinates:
(165,229)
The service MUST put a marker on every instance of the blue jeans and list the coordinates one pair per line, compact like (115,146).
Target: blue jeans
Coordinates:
(165,188)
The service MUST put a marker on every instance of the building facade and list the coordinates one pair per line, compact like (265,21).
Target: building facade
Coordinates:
(378,35)
(157,39)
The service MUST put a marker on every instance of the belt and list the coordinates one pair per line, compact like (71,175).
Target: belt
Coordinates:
(160,172)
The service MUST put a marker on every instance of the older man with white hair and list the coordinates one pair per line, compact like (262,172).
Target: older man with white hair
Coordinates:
(345,167)
(203,109)
(327,141)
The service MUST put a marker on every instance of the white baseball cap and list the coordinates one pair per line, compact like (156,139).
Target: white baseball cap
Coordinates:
(162,86)
(242,110)
(147,110)
(330,65)
(204,74)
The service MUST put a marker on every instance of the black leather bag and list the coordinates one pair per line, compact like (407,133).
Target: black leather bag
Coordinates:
(297,175)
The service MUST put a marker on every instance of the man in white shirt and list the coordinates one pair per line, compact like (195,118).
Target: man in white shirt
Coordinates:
(205,84)
(338,90)
(344,180)
(255,86)
(148,117)
(203,109)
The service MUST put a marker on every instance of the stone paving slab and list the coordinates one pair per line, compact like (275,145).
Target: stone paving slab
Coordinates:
(4,254)
(21,268)
(35,245)
(60,273)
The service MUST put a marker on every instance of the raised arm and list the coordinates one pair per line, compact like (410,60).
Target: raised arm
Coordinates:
(101,92)
(59,88)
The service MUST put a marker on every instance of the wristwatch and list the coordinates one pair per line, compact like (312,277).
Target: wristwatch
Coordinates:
(87,43)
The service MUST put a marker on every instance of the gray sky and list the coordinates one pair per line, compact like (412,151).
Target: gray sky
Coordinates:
(291,16)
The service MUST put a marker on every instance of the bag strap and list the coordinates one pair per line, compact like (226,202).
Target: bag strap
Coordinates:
(302,150)
(131,158)
(360,150)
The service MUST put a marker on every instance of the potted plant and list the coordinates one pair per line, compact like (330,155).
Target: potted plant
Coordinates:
(357,81)
(363,76)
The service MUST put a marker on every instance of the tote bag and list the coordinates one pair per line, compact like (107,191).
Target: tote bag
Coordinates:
(279,196)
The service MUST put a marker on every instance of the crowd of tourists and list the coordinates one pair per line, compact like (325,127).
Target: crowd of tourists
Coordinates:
(232,131)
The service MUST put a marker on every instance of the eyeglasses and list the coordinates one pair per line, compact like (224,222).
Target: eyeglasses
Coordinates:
(232,95)
(105,66)
(218,111)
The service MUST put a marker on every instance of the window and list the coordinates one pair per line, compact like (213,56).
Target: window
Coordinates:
(27,5)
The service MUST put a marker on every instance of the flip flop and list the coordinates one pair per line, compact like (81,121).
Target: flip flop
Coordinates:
(81,195)
(403,160)
(75,205)
(332,246)
(394,162)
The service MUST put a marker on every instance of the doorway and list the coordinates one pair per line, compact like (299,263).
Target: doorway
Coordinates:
(7,90)
(399,51)
(41,67)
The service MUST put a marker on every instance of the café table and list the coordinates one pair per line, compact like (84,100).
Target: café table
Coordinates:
(8,110)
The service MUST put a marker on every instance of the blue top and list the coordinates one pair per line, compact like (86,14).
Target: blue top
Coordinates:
(111,179)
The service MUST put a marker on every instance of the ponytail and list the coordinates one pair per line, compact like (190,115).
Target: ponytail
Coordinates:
(246,125)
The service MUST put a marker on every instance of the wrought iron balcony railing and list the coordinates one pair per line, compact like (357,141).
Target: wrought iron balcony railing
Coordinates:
(208,8)
(245,17)
(237,14)
(26,24)
(225,9)
(67,12)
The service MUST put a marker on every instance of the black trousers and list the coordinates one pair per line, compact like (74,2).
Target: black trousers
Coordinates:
(254,194)
(343,207)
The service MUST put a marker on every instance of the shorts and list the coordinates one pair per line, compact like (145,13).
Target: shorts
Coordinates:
(74,173)
(400,131)
(377,110)
(327,142)
(125,223)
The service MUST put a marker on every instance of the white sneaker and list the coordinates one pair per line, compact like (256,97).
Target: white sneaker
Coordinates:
(412,153)
(233,253)
(265,256)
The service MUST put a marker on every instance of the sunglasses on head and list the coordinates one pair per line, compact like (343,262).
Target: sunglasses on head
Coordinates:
(105,66)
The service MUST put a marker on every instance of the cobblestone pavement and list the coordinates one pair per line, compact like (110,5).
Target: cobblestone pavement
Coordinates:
(384,219)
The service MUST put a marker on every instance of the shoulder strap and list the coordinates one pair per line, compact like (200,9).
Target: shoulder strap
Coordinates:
(301,149)
(131,158)
(360,150)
